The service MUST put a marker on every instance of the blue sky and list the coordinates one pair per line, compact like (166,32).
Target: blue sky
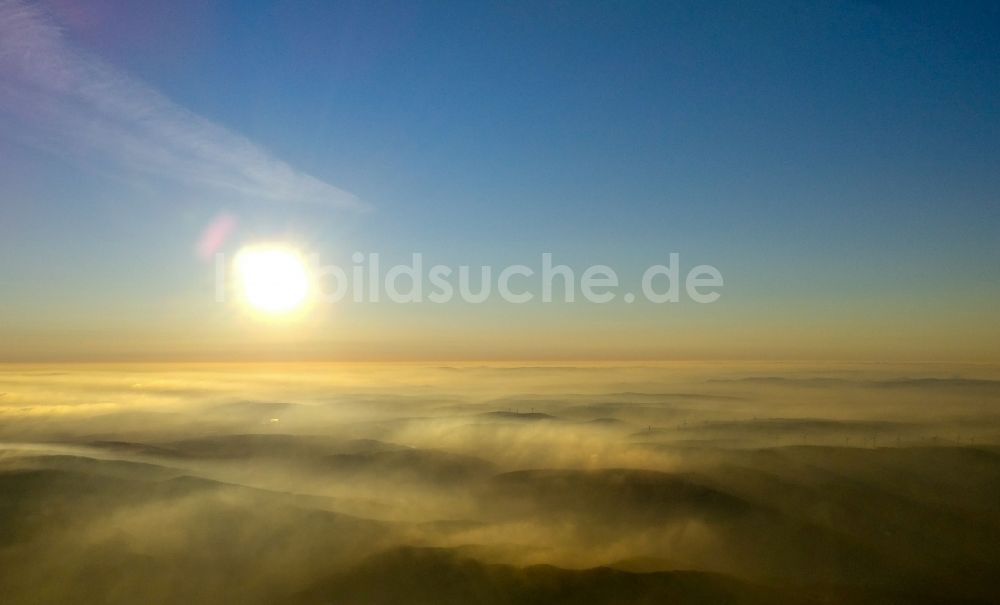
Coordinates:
(832,159)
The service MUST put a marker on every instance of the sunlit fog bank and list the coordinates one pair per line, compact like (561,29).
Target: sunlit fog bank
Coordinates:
(364,483)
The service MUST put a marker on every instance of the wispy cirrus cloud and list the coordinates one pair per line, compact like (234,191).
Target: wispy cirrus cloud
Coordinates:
(72,102)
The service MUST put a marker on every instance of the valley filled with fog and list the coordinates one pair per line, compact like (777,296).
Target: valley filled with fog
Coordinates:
(499,483)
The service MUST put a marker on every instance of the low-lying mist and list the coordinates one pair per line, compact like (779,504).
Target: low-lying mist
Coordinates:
(590,483)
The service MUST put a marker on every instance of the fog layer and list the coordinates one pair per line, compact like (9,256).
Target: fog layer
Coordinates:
(700,483)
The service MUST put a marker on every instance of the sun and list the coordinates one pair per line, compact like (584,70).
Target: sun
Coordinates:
(274,279)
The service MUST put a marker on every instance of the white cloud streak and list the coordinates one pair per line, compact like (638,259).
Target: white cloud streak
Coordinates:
(76,104)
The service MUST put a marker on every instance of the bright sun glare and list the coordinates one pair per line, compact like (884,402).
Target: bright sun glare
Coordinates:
(274,279)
